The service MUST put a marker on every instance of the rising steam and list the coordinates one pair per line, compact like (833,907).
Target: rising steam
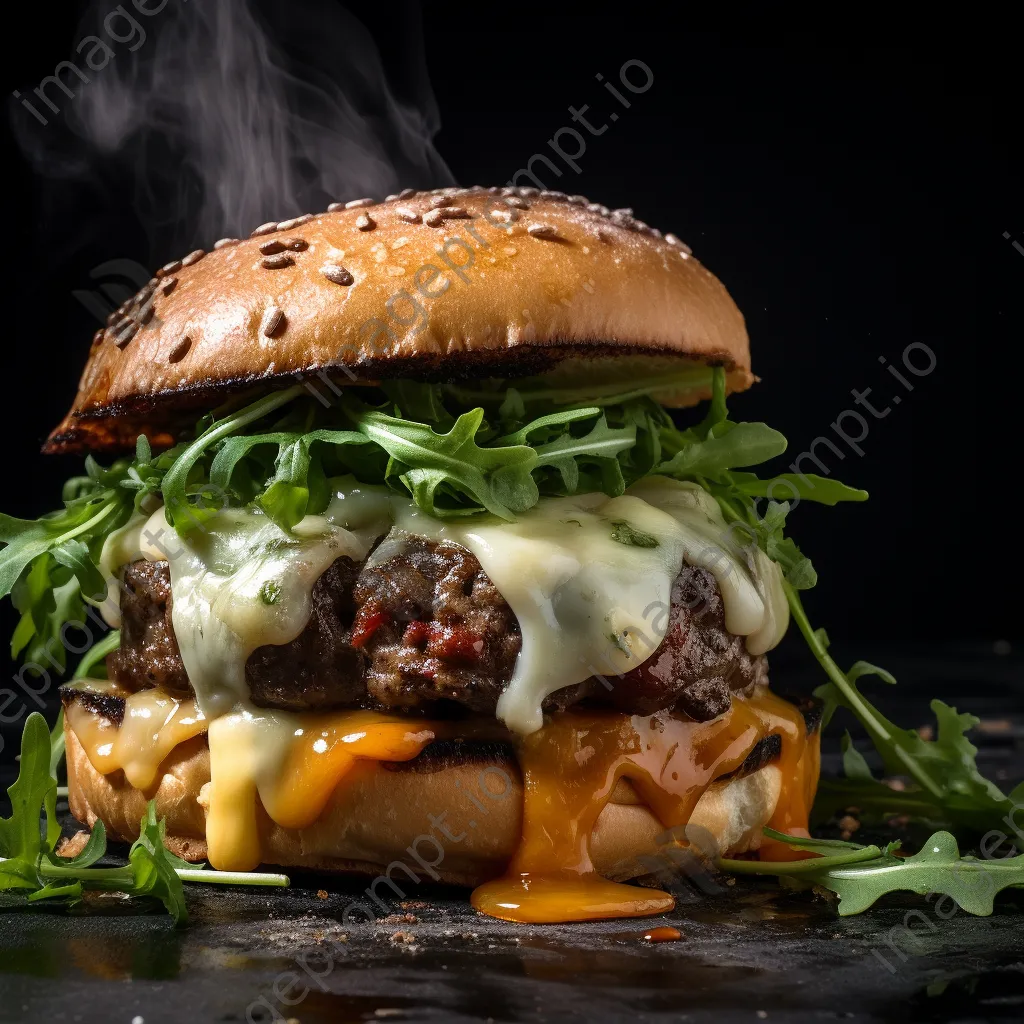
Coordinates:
(228,116)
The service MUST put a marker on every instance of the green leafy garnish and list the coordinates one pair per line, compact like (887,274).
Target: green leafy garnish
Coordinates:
(860,875)
(944,770)
(270,592)
(624,533)
(30,865)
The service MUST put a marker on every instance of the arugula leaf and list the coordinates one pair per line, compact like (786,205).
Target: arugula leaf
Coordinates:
(35,789)
(154,867)
(803,485)
(944,769)
(864,874)
(430,460)
(738,444)
(183,513)
(28,862)
(601,445)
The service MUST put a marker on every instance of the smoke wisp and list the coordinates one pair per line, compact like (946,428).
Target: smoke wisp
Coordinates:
(225,113)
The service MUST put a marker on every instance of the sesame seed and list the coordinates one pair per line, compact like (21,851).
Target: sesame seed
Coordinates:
(673,240)
(408,214)
(271,247)
(296,244)
(124,332)
(287,225)
(519,204)
(505,216)
(542,231)
(556,196)
(623,211)
(405,193)
(528,190)
(335,207)
(655,232)
(578,200)
(265,229)
(433,219)
(276,262)
(337,274)
(602,235)
(598,208)
(172,267)
(193,257)
(508,190)
(365,222)
(221,242)
(438,201)
(145,313)
(456,213)
(354,204)
(180,350)
(273,321)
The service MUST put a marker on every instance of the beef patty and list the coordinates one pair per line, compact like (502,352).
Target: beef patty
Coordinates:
(425,627)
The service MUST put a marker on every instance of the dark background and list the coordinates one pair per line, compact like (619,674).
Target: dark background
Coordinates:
(853,197)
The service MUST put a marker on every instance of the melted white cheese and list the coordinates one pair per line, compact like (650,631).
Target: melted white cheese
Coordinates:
(589,604)
(588,577)
(236,584)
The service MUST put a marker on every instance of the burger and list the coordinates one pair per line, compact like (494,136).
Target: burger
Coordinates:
(409,569)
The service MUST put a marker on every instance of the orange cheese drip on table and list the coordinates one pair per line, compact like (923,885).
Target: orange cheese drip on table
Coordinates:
(570,768)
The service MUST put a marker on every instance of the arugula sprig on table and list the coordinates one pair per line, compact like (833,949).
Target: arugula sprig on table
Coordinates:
(860,875)
(30,865)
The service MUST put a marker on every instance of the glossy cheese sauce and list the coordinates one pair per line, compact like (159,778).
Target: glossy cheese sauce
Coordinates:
(570,769)
(288,765)
(588,577)
(153,725)
(292,763)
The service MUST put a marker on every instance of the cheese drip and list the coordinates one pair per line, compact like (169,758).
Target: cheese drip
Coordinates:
(588,577)
(263,764)
(237,583)
(289,765)
(570,769)
(281,768)
(590,581)
(153,725)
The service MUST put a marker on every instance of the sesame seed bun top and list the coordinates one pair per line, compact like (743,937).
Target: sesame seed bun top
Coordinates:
(453,283)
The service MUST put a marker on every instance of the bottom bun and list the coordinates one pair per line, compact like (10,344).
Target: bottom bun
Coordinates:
(456,821)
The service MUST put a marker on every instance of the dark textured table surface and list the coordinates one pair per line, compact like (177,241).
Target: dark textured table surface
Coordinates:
(748,953)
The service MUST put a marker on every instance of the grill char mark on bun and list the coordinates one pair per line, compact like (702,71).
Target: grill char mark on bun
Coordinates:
(513,300)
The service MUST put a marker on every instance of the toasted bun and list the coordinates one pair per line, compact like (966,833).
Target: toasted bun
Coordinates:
(382,813)
(445,284)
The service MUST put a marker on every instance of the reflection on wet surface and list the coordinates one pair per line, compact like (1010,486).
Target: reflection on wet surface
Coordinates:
(285,955)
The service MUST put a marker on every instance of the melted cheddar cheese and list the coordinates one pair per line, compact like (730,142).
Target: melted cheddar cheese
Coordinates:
(288,765)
